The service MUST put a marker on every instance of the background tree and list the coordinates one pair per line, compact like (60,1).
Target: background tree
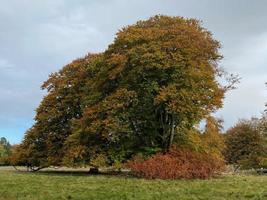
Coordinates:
(262,128)
(5,151)
(210,140)
(245,145)
(213,138)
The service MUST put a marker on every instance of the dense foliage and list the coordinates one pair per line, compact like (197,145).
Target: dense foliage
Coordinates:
(5,151)
(152,86)
(246,144)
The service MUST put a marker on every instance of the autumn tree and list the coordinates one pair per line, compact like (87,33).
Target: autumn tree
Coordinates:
(245,145)
(213,138)
(61,105)
(157,80)
(204,140)
(169,65)
(43,143)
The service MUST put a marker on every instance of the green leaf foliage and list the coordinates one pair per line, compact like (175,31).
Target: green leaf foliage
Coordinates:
(157,80)
(246,144)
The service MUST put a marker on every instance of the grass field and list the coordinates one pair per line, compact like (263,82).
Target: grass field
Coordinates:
(80,186)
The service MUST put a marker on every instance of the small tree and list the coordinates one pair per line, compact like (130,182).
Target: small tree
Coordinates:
(245,145)
(212,137)
(5,151)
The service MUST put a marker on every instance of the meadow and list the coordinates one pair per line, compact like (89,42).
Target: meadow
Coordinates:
(55,185)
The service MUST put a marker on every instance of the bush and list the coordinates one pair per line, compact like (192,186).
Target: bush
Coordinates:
(177,164)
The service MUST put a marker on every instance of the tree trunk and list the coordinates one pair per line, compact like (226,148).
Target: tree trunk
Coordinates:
(167,125)
(93,170)
(171,136)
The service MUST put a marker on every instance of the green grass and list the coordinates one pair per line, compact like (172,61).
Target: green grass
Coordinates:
(52,186)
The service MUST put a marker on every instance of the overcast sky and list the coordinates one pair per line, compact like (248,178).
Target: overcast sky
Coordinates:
(38,37)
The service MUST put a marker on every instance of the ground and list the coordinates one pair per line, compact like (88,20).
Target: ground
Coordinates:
(81,186)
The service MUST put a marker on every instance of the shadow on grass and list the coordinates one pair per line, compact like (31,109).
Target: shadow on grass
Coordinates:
(65,172)
(80,173)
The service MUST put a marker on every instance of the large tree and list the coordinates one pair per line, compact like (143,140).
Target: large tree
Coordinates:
(157,79)
(168,66)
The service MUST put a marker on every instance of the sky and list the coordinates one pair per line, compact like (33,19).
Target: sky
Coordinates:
(38,37)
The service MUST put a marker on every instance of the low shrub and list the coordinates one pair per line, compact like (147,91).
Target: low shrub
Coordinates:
(177,164)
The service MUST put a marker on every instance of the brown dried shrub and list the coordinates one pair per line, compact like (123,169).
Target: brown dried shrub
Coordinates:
(177,164)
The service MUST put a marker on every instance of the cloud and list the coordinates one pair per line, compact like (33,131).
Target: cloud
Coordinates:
(250,96)
(4,64)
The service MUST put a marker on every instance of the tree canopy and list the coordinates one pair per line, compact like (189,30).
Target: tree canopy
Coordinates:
(5,151)
(246,144)
(158,79)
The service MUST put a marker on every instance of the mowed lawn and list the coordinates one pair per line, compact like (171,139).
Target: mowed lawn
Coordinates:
(51,185)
